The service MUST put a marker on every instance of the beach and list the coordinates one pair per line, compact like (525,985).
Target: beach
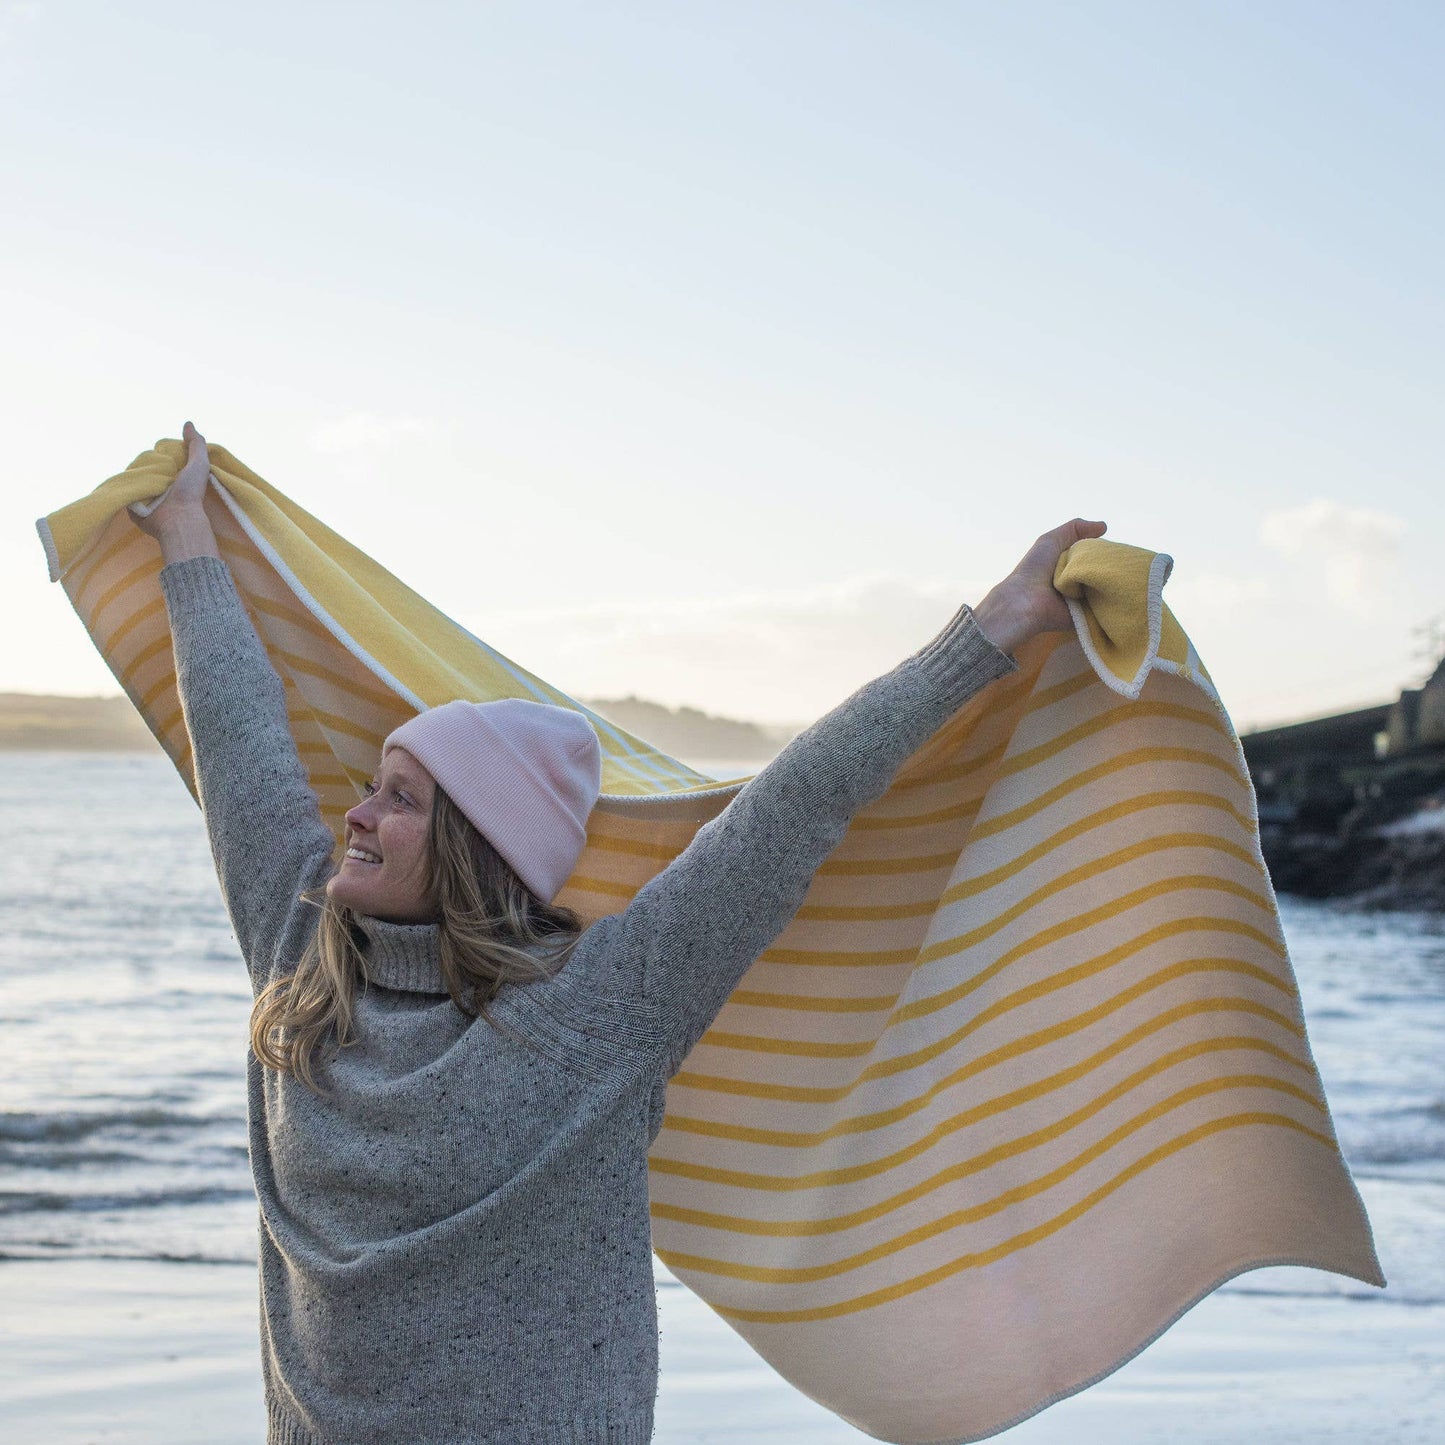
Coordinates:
(131,1353)
(127,1224)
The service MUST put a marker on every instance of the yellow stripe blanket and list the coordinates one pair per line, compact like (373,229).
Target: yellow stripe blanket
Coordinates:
(1026,1076)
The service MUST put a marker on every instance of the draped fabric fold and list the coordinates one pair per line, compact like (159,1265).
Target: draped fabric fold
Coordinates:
(1026,1076)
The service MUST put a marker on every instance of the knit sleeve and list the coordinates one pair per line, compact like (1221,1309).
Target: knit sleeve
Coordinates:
(690,934)
(263,820)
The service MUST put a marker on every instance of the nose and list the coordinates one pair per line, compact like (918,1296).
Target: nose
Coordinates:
(361,818)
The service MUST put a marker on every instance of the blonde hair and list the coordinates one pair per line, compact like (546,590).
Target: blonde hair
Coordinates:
(492,931)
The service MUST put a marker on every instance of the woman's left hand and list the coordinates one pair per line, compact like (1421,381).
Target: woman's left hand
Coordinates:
(1025,603)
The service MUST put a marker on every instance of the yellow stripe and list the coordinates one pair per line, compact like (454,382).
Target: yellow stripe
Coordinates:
(964,941)
(882,867)
(822,958)
(838,913)
(1024,1044)
(948,948)
(968,888)
(1001,824)
(96,567)
(153,648)
(336,723)
(978,1258)
(1134,712)
(1176,797)
(902,1062)
(118,589)
(938,776)
(1081,681)
(885,1068)
(809,1274)
(866,823)
(302,621)
(1000,702)
(819,1179)
(134,620)
(298,663)
(633,847)
(996,1154)
(159,688)
(604,886)
(1137,757)
(1125,903)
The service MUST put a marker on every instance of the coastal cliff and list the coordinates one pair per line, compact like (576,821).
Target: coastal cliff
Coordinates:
(1352,806)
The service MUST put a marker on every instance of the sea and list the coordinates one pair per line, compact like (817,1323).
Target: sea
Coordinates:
(124,1008)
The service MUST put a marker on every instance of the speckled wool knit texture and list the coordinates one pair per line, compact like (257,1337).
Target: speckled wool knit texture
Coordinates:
(454,1240)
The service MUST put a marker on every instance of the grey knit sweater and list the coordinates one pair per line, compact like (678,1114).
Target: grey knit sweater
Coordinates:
(454,1242)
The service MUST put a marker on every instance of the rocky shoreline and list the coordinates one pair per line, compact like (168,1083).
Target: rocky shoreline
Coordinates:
(1396,866)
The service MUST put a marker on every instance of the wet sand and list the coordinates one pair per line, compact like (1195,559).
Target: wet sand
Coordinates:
(146,1353)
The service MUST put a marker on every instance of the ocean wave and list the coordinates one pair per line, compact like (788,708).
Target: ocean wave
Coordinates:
(23,1201)
(71,1126)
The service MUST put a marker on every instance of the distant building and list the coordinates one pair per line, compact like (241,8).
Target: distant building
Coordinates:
(1417,720)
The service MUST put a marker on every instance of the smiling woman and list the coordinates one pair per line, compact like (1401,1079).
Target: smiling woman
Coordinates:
(417,854)
(385,870)
(458,1086)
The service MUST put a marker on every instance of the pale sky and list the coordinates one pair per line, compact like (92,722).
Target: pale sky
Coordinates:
(715,352)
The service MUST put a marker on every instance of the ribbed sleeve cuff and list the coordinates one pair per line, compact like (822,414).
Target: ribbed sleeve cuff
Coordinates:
(197,586)
(961,660)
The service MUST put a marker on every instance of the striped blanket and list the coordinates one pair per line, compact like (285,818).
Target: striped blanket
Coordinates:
(1026,1076)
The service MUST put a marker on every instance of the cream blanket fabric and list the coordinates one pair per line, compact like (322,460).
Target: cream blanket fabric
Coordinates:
(1027,1075)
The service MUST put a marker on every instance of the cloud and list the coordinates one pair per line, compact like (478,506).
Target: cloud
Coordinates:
(1213,595)
(364,431)
(1352,550)
(775,656)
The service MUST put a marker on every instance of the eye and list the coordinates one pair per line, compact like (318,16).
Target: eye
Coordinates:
(368,790)
(402,798)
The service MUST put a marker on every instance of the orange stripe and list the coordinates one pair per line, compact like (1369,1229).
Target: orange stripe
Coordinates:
(901,1063)
(152,649)
(1170,798)
(925,908)
(298,663)
(884,1118)
(604,886)
(116,589)
(955,1219)
(1125,903)
(978,1258)
(1000,703)
(1117,764)
(978,1163)
(136,618)
(1133,712)
(94,568)
(158,689)
(947,948)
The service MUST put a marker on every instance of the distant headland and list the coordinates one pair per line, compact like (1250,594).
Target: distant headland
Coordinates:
(39,722)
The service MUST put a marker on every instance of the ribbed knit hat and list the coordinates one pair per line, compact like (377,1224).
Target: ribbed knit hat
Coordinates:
(526,774)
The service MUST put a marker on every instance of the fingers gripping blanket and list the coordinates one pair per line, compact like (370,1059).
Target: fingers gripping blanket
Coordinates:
(1025,1077)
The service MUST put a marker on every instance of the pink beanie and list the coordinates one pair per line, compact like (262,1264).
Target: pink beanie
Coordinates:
(526,774)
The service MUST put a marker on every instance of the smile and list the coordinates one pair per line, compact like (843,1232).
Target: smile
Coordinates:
(362,856)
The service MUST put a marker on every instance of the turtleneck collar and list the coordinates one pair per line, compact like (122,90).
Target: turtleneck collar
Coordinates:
(403,956)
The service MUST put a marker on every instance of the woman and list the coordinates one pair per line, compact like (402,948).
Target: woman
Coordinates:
(452,1089)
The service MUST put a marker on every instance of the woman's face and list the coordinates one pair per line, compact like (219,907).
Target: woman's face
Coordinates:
(386,868)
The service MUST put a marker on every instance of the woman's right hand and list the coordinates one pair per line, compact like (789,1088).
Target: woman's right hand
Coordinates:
(177,519)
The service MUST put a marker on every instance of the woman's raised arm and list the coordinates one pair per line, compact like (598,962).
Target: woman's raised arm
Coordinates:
(690,934)
(265,827)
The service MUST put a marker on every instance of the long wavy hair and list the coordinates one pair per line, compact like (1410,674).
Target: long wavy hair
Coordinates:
(492,931)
